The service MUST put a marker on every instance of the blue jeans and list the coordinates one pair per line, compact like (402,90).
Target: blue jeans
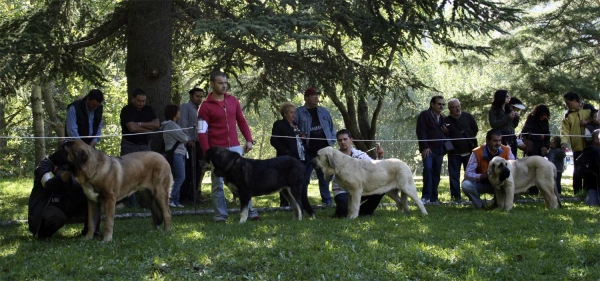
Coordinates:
(178,171)
(323,185)
(218,193)
(432,168)
(454,164)
(473,190)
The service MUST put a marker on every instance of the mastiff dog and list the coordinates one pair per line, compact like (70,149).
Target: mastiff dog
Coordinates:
(108,179)
(362,177)
(516,176)
(247,178)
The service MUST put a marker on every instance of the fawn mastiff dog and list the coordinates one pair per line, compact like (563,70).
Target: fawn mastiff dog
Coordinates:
(247,178)
(516,176)
(108,179)
(362,177)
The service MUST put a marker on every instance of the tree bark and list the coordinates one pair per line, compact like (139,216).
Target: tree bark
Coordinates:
(38,122)
(3,130)
(149,53)
(56,124)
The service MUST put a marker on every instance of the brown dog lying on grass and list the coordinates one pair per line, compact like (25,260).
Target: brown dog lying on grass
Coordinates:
(109,179)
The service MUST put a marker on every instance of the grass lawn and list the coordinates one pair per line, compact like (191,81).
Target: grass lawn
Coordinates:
(454,242)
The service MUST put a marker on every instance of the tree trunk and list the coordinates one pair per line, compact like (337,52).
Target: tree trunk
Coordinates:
(149,53)
(56,124)
(3,130)
(38,122)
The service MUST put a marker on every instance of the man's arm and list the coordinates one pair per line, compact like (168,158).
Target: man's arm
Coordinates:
(72,123)
(331,128)
(142,127)
(98,134)
(203,127)
(242,123)
(470,172)
(421,132)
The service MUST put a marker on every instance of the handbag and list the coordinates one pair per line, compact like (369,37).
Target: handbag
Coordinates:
(448,146)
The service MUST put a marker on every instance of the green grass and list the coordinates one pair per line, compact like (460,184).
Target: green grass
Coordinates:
(455,242)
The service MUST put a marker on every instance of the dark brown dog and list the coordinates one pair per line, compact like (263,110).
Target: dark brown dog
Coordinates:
(108,179)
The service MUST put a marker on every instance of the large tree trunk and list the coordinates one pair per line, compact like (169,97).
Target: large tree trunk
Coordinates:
(56,124)
(38,122)
(149,53)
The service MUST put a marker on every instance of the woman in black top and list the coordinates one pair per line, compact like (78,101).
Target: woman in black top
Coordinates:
(504,119)
(286,137)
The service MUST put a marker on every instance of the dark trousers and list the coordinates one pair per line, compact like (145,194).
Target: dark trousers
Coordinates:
(577,180)
(192,172)
(52,220)
(455,162)
(323,185)
(367,207)
(557,180)
(432,168)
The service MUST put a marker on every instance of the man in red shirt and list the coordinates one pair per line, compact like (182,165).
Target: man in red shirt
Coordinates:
(217,117)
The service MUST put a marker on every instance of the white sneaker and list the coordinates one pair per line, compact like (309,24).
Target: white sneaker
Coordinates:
(172,205)
(180,206)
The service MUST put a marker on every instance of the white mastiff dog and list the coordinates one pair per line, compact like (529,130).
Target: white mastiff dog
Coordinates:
(516,176)
(362,177)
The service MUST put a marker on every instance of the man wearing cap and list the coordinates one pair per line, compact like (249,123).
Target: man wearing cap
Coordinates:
(316,122)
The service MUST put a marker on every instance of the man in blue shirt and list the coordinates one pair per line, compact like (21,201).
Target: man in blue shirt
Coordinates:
(84,118)
(316,122)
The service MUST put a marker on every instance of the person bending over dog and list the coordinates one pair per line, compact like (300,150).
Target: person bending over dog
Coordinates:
(55,198)
(340,196)
(476,177)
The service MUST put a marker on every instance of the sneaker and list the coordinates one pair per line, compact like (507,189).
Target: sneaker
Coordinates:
(424,200)
(328,205)
(119,206)
(172,205)
(257,218)
(179,205)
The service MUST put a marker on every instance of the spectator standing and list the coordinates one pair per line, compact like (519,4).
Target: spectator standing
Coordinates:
(189,119)
(220,113)
(502,117)
(369,202)
(137,120)
(286,138)
(463,130)
(84,118)
(536,131)
(557,155)
(589,170)
(476,178)
(316,122)
(431,132)
(573,126)
(175,140)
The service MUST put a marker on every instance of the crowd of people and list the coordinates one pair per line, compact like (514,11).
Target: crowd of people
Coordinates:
(216,117)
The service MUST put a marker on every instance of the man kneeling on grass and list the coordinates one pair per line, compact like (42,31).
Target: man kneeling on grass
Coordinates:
(55,198)
(369,202)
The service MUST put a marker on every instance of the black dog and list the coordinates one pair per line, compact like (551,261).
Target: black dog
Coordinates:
(247,178)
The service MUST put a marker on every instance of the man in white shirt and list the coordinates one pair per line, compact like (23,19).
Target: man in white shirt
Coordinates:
(340,196)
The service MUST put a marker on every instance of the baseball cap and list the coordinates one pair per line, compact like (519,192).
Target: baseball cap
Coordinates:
(311,91)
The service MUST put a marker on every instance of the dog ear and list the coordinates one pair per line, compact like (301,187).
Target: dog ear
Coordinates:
(81,156)
(331,161)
